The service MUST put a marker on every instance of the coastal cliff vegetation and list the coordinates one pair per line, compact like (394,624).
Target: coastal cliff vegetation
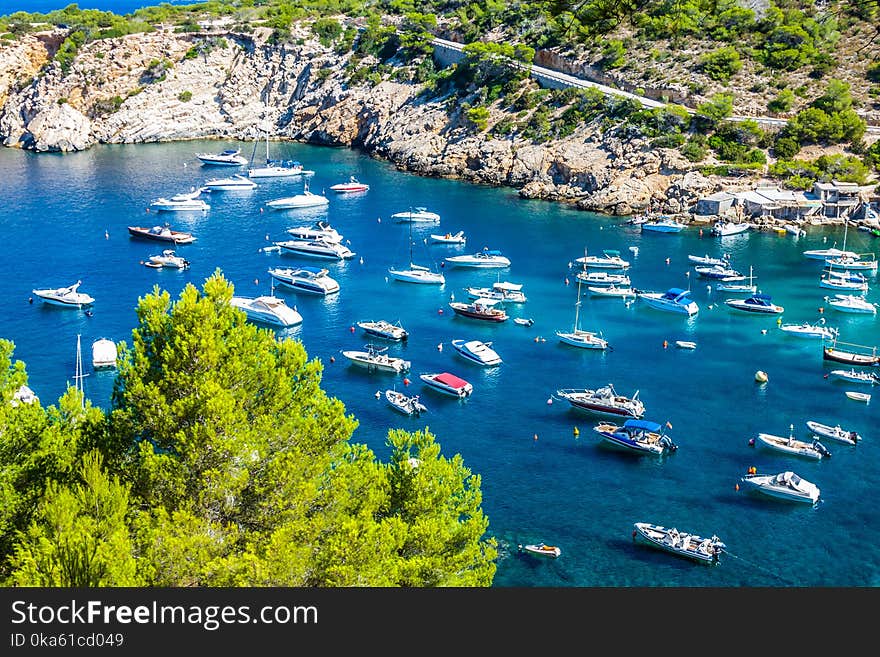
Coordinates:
(222,462)
(725,68)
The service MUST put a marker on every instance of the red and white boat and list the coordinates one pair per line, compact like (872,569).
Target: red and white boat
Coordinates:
(448,384)
(353,185)
(480,308)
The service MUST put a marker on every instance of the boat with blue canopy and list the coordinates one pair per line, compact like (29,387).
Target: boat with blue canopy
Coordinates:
(641,436)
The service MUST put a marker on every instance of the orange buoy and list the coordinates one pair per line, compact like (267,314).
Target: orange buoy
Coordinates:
(821,309)
(406,382)
(439,311)
(737,487)
(665,344)
(701,232)
(351,329)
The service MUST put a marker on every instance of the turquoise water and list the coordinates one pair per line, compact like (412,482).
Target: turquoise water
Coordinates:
(64,217)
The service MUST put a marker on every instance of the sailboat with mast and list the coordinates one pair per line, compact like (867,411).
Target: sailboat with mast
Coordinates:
(416,273)
(737,286)
(577,337)
(78,375)
(276,168)
(849,261)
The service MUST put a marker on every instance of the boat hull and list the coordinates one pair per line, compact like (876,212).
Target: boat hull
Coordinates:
(762,486)
(796,448)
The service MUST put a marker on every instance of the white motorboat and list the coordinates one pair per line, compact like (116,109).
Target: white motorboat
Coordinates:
(186,202)
(685,344)
(612,291)
(267,310)
(320,230)
(719,272)
(673,300)
(757,303)
(231,157)
(524,321)
(375,359)
(168,258)
(825,254)
(603,401)
(858,396)
(450,238)
(383,329)
(727,228)
(234,183)
(481,259)
(316,249)
(853,375)
(305,200)
(448,384)
(663,225)
(683,544)
(277,168)
(104,354)
(353,185)
(477,352)
(807,330)
(792,446)
(602,279)
(710,261)
(639,436)
(851,303)
(405,404)
(784,486)
(836,433)
(416,215)
(610,259)
(500,291)
(541,550)
(66,297)
(308,280)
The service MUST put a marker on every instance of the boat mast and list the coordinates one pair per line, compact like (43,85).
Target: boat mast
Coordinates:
(78,374)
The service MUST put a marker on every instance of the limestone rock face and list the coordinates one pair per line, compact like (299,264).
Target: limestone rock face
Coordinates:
(59,128)
(163,86)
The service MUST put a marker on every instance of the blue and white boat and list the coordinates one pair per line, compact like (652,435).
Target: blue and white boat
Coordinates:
(641,436)
(663,225)
(757,303)
(477,352)
(674,300)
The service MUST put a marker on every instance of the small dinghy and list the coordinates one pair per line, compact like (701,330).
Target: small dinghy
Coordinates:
(541,550)
(685,344)
(858,396)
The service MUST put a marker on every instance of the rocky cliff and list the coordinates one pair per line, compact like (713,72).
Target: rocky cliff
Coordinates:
(165,86)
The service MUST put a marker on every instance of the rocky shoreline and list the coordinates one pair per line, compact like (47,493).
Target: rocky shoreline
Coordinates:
(150,88)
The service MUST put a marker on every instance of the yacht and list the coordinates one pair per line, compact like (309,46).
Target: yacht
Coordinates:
(383,329)
(603,401)
(416,215)
(417,274)
(851,303)
(477,352)
(320,230)
(186,202)
(305,200)
(309,280)
(229,158)
(783,485)
(267,310)
(168,258)
(353,185)
(674,300)
(104,354)
(66,297)
(610,259)
(375,358)
(233,183)
(316,249)
(480,308)
(162,234)
(500,291)
(480,259)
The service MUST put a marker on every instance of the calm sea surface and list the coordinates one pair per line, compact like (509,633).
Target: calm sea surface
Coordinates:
(544,475)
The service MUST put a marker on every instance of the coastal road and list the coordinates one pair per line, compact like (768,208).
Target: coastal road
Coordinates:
(580,83)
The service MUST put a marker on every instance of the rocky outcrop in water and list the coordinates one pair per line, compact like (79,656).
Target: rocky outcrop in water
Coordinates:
(166,86)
